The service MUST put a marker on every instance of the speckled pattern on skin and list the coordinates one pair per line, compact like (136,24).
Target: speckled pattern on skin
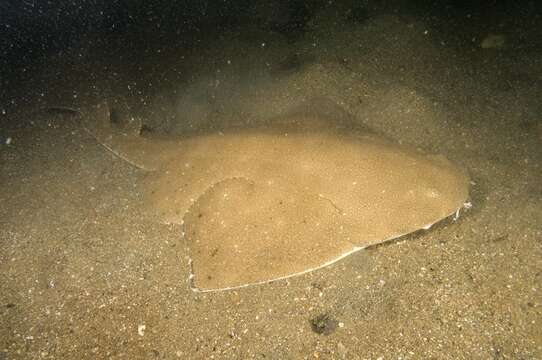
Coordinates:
(263,204)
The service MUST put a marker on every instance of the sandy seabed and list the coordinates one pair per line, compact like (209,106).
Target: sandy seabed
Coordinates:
(85,272)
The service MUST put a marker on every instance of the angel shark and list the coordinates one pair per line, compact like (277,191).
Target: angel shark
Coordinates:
(262,203)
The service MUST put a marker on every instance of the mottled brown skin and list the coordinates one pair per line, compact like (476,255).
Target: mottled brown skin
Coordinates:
(263,204)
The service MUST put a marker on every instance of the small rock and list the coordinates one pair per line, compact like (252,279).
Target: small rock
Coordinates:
(323,324)
(141,330)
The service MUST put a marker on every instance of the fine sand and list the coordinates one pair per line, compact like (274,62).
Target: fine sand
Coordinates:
(86,273)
